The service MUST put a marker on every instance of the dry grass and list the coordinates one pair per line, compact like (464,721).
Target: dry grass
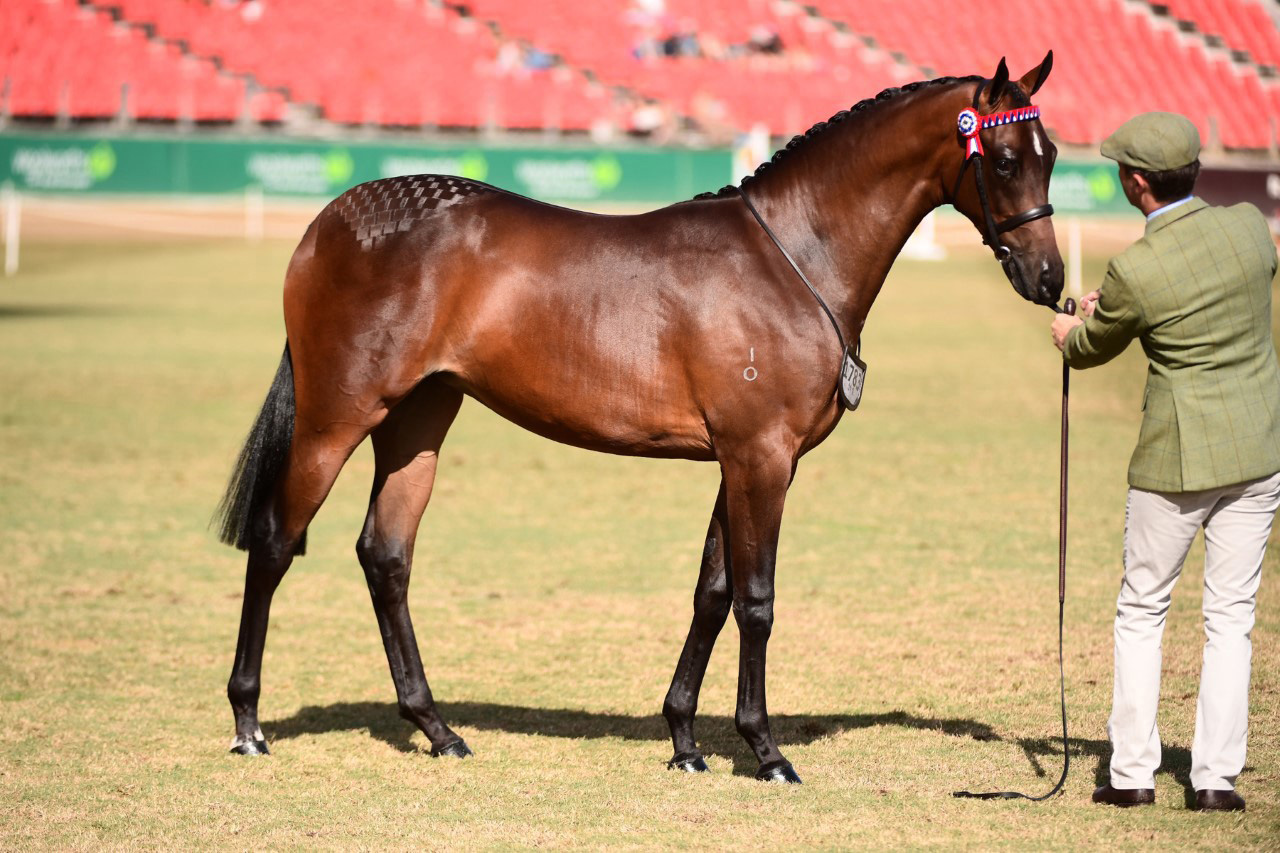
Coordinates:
(913,653)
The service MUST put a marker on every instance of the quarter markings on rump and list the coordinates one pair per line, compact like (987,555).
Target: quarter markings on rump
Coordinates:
(380,208)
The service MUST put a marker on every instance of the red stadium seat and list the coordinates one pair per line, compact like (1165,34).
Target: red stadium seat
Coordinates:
(412,63)
(1108,55)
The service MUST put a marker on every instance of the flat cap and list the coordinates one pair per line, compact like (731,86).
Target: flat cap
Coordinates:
(1155,141)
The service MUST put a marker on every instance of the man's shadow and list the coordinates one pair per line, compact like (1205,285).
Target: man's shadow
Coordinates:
(1175,760)
(718,737)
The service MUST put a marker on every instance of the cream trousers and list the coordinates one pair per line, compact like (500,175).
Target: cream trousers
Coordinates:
(1159,529)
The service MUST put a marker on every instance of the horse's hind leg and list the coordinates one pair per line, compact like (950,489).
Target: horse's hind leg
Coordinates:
(406,448)
(315,458)
(711,601)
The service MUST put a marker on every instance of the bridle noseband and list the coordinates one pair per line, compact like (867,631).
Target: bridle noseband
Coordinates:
(970,125)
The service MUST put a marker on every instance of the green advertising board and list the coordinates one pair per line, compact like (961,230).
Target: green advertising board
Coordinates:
(58,164)
(1078,187)
(77,164)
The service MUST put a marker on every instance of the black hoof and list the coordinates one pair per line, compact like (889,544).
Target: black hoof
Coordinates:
(689,762)
(458,749)
(251,747)
(778,771)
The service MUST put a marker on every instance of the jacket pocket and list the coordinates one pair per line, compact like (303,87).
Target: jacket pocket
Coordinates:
(1157,460)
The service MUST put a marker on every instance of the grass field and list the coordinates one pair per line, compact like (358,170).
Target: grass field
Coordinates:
(913,652)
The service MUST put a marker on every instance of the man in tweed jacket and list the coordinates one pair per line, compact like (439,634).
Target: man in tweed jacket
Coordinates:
(1196,292)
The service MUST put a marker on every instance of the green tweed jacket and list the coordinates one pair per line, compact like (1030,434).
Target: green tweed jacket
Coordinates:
(1196,291)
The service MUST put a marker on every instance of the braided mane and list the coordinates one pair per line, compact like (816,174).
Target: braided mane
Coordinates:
(800,139)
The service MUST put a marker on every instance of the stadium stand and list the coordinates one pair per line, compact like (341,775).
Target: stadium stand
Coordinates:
(1238,26)
(60,57)
(370,61)
(709,60)
(1114,59)
(657,67)
(360,61)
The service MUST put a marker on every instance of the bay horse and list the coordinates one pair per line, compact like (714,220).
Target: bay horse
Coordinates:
(685,332)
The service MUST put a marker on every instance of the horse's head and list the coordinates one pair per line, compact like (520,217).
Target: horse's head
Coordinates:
(1003,185)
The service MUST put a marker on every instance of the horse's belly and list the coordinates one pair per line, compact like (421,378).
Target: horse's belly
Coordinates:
(630,421)
(581,357)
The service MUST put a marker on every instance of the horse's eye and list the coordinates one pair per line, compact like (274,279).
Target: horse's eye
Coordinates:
(1005,167)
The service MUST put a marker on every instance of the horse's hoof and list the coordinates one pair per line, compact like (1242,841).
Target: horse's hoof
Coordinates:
(778,771)
(458,749)
(689,762)
(255,746)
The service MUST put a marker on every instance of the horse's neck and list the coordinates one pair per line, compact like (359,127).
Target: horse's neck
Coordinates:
(845,208)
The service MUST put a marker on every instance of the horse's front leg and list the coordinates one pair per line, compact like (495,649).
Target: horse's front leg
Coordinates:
(756,481)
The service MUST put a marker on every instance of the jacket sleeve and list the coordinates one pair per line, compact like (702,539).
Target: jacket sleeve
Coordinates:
(1115,322)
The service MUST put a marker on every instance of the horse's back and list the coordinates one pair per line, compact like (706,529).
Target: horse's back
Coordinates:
(601,331)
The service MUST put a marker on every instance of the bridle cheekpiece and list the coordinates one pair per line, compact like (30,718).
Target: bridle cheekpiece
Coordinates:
(970,125)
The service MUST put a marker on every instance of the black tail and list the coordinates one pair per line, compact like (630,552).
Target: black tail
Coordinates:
(262,460)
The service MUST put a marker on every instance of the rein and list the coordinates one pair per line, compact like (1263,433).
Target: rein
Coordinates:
(970,125)
(774,237)
(1068,308)
(853,370)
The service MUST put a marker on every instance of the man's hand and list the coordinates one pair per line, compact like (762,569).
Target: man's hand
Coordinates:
(1064,323)
(1089,302)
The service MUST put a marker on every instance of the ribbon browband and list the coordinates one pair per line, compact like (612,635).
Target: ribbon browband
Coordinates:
(970,124)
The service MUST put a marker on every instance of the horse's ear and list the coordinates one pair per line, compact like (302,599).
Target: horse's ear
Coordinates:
(996,89)
(1034,79)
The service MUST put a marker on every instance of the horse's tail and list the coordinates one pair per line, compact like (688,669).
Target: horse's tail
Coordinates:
(262,460)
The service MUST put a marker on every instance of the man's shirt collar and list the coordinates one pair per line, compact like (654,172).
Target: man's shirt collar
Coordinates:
(1168,207)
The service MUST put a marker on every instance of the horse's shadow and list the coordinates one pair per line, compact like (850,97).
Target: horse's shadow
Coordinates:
(43,311)
(718,736)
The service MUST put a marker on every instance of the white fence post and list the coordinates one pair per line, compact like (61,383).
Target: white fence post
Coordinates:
(12,224)
(1075,279)
(923,243)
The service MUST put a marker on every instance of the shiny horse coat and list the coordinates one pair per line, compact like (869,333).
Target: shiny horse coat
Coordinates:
(625,334)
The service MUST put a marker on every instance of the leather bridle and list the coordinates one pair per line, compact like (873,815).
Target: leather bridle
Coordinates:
(970,125)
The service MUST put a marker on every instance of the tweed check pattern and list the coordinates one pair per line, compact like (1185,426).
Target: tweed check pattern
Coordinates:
(1196,292)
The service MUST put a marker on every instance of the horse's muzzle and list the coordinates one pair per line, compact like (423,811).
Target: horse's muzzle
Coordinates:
(1039,282)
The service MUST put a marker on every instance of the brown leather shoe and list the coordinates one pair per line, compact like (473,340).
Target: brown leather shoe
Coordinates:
(1125,797)
(1219,801)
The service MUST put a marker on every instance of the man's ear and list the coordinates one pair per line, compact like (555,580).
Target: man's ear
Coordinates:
(1140,181)
(1134,184)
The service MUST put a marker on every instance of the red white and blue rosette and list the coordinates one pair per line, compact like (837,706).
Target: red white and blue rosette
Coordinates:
(968,124)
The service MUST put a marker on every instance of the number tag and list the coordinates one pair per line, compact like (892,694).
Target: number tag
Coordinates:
(853,373)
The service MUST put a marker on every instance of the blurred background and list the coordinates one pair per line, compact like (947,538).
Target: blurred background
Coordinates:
(262,109)
(159,161)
